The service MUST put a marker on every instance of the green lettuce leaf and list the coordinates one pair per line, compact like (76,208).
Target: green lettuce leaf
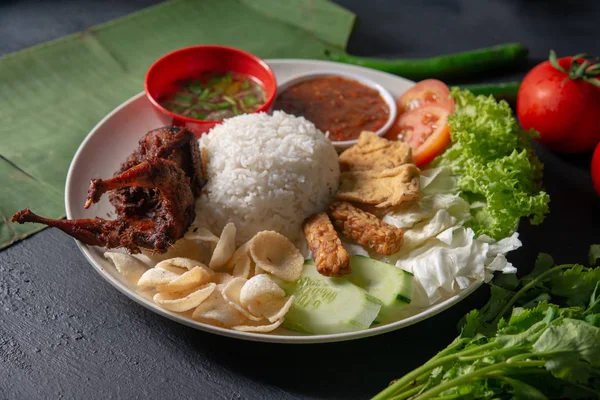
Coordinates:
(496,168)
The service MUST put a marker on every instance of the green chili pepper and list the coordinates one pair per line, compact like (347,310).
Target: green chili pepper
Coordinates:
(446,66)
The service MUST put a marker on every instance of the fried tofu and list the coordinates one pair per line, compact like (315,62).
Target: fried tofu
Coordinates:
(380,173)
(388,188)
(374,153)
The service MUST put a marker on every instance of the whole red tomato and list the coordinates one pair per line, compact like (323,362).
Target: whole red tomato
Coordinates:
(561,100)
(596,169)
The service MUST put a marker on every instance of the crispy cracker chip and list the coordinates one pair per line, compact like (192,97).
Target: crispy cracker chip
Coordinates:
(129,266)
(231,293)
(156,277)
(189,279)
(225,247)
(201,234)
(221,278)
(243,267)
(276,315)
(240,252)
(180,262)
(262,296)
(259,328)
(217,311)
(181,248)
(174,301)
(257,271)
(275,254)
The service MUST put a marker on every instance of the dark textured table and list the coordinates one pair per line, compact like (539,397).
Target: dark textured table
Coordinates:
(66,333)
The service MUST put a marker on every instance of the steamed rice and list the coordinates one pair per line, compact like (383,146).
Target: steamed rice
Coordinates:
(266,173)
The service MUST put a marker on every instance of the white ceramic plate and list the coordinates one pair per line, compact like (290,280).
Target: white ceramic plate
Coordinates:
(117,135)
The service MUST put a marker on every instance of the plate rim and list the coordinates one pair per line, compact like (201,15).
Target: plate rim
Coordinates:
(250,336)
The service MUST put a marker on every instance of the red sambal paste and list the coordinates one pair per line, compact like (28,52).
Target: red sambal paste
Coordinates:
(342,106)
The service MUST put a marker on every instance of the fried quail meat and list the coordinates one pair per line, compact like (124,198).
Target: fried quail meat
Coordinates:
(172,143)
(366,229)
(330,256)
(153,195)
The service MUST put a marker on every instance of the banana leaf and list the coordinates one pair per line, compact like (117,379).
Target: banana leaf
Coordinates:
(52,94)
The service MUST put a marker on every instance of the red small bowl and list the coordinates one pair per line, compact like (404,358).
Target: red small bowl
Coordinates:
(190,62)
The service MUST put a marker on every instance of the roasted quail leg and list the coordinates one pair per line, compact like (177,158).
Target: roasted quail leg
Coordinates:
(95,231)
(157,230)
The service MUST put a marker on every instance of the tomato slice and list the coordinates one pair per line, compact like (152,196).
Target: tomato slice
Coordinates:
(425,129)
(423,93)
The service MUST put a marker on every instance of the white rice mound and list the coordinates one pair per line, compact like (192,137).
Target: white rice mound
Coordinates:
(266,172)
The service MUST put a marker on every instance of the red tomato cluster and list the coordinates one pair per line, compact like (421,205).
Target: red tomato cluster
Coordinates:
(423,120)
(560,99)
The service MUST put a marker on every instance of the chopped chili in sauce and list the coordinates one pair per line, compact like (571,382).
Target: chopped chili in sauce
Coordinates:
(342,106)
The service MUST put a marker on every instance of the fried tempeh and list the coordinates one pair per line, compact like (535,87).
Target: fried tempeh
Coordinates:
(330,256)
(366,229)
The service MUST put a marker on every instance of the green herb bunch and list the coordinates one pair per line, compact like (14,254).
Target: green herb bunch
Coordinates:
(536,338)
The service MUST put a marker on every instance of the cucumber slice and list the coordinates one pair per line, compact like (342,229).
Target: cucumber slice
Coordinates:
(329,305)
(390,284)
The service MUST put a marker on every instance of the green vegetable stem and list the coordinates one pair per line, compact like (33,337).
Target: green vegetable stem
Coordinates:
(536,338)
(446,66)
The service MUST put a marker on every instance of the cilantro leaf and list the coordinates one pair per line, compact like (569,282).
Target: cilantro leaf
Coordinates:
(525,326)
(594,305)
(572,336)
(521,390)
(507,281)
(542,264)
(471,324)
(520,345)
(575,284)
(499,297)
(569,367)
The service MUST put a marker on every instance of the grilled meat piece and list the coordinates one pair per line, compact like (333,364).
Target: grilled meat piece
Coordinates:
(366,229)
(169,221)
(172,143)
(153,194)
(330,257)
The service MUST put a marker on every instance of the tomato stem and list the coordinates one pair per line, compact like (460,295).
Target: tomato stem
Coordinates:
(580,69)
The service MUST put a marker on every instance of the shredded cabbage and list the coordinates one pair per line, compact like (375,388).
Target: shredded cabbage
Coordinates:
(496,168)
(444,255)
